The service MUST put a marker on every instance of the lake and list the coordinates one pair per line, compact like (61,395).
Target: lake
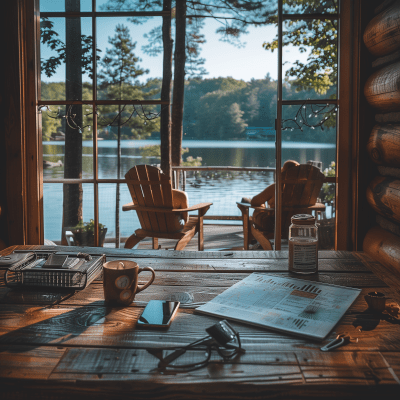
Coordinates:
(222,189)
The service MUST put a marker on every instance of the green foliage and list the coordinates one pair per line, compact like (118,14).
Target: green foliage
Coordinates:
(329,189)
(154,151)
(87,226)
(50,38)
(190,161)
(316,37)
(117,76)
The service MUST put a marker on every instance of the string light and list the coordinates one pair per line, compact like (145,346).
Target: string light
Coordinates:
(102,122)
(321,111)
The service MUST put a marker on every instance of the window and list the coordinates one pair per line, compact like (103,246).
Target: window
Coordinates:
(85,103)
(90,108)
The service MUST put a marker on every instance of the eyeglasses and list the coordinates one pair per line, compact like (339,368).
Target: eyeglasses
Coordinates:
(222,337)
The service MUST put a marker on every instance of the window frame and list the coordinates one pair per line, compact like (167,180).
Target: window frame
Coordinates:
(343,135)
(31,183)
(96,181)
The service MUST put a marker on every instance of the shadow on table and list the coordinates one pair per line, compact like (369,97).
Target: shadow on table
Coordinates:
(368,320)
(55,330)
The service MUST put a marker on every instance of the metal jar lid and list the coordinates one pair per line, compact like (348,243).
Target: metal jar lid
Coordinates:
(303,219)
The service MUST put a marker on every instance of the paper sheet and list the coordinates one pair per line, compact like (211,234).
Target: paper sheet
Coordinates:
(305,308)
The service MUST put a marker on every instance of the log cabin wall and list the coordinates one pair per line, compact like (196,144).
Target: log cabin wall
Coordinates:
(382,91)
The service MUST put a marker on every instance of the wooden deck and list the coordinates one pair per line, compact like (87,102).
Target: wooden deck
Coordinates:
(216,238)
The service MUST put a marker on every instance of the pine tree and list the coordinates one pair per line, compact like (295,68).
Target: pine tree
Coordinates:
(117,80)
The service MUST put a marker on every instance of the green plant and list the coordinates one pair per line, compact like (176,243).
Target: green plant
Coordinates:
(154,151)
(329,189)
(87,226)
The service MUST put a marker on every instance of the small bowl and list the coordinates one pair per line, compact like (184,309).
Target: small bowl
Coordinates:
(376,301)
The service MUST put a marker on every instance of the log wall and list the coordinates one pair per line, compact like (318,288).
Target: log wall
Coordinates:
(382,91)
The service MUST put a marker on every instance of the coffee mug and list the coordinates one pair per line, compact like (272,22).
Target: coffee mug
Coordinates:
(120,281)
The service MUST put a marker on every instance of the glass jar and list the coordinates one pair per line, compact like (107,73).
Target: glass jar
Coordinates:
(303,244)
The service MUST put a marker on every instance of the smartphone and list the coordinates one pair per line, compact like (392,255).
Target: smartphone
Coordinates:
(158,314)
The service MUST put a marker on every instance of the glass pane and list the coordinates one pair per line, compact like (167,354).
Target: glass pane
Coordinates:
(59,5)
(110,210)
(224,189)
(310,7)
(67,142)
(326,229)
(138,130)
(66,58)
(307,135)
(310,55)
(126,5)
(126,68)
(74,203)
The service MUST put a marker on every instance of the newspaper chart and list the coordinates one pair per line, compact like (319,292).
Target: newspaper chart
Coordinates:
(305,308)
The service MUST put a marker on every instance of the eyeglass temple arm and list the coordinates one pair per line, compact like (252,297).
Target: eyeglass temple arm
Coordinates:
(177,353)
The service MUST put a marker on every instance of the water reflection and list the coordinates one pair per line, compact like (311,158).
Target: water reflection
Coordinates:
(222,188)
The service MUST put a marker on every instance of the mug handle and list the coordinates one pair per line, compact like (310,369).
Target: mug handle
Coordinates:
(147,284)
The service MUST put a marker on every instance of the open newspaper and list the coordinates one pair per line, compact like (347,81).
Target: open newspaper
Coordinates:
(305,308)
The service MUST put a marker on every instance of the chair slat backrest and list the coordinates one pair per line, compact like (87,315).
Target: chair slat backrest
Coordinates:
(301,187)
(150,187)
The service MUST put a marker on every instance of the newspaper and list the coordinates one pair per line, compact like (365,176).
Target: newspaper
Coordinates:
(305,308)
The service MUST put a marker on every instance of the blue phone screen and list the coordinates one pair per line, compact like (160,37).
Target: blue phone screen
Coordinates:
(158,312)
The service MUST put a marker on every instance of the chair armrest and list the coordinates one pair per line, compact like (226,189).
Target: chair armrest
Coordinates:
(245,205)
(318,207)
(131,206)
(248,205)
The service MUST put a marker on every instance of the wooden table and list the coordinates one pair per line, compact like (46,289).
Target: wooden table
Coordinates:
(67,346)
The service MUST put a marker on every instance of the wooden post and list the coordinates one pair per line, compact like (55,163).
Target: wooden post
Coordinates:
(179,83)
(165,124)
(73,193)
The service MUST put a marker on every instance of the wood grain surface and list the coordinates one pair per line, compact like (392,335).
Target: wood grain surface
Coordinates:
(382,34)
(385,247)
(382,88)
(384,145)
(65,345)
(383,195)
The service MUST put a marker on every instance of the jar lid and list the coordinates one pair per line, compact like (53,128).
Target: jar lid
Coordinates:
(303,219)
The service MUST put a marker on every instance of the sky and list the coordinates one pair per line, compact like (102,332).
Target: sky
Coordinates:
(222,59)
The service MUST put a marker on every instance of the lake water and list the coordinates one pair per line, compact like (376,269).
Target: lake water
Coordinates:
(222,189)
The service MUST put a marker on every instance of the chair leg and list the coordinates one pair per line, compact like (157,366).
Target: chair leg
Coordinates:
(155,243)
(246,228)
(265,243)
(132,241)
(201,234)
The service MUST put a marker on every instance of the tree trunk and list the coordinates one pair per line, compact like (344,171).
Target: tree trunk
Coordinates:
(179,83)
(165,123)
(73,193)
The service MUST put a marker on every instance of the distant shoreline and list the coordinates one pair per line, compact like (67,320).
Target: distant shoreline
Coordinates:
(223,144)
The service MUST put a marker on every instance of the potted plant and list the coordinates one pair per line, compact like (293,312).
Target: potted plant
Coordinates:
(84,233)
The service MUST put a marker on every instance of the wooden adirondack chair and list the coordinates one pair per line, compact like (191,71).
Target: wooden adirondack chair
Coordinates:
(301,186)
(151,192)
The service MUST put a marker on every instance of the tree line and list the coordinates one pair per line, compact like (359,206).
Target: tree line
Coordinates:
(214,108)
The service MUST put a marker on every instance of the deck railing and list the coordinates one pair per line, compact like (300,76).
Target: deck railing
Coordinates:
(180,175)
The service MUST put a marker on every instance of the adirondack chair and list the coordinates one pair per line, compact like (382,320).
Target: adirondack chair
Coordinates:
(152,192)
(301,186)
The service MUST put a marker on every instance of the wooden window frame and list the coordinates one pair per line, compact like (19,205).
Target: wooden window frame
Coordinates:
(23,142)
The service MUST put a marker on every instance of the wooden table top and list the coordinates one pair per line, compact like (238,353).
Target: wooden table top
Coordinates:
(59,345)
